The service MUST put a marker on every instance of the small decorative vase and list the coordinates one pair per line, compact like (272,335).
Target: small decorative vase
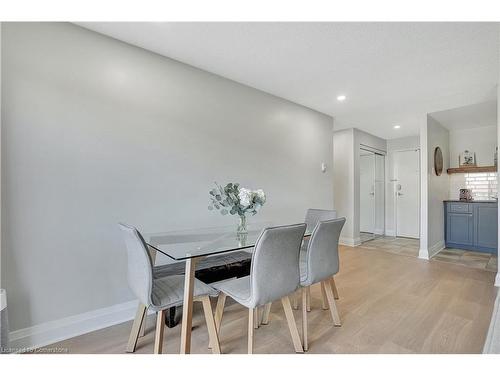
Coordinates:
(242,226)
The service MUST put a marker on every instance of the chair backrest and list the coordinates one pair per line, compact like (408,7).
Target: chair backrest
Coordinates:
(314,215)
(323,251)
(139,264)
(275,271)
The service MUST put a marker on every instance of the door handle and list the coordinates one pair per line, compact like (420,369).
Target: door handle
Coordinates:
(372,193)
(400,193)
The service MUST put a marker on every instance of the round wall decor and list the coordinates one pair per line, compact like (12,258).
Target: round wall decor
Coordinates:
(438,161)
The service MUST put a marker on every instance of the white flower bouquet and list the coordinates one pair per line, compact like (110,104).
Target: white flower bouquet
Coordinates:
(235,200)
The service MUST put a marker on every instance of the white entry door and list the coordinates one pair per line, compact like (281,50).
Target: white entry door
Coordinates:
(407,193)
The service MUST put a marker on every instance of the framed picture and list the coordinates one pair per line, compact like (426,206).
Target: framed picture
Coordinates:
(467,159)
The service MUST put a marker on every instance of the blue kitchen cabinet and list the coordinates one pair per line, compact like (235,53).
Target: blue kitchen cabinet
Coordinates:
(460,228)
(471,225)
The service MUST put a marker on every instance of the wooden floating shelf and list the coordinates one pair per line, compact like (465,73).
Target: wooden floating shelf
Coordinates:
(489,168)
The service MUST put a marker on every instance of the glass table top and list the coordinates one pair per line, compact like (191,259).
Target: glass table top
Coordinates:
(192,243)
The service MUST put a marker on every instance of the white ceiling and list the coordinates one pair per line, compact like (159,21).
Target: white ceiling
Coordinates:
(467,117)
(392,73)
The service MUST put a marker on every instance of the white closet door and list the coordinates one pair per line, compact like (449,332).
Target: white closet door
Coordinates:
(407,191)
(367,193)
(379,183)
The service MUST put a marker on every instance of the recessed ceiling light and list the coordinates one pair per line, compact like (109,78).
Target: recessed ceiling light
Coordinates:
(397,126)
(341,98)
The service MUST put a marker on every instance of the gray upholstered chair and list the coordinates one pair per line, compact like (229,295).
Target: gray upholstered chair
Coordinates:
(318,265)
(313,216)
(274,274)
(159,293)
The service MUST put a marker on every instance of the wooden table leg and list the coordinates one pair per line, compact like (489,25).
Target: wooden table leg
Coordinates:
(308,299)
(187,309)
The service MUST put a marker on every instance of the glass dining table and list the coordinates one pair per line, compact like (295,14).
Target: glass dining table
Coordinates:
(193,245)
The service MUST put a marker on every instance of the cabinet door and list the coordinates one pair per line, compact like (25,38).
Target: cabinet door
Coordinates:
(485,225)
(459,228)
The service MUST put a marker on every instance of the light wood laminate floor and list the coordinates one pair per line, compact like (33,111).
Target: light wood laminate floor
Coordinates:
(410,246)
(388,304)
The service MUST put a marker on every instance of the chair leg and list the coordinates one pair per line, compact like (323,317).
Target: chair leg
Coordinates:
(256,318)
(160,327)
(285,301)
(305,342)
(265,313)
(308,291)
(334,288)
(331,302)
(250,330)
(324,300)
(212,331)
(136,328)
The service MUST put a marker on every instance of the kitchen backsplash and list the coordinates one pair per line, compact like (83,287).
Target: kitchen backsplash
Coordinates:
(483,185)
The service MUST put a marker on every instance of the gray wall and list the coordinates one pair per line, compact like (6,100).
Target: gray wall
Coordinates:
(482,141)
(438,186)
(96,131)
(0,146)
(343,177)
(346,177)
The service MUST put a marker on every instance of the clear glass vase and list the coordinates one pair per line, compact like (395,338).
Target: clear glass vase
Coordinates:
(242,226)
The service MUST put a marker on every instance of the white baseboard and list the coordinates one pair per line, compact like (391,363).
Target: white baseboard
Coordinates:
(423,254)
(3,299)
(436,248)
(57,330)
(497,279)
(348,241)
(390,233)
(431,251)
